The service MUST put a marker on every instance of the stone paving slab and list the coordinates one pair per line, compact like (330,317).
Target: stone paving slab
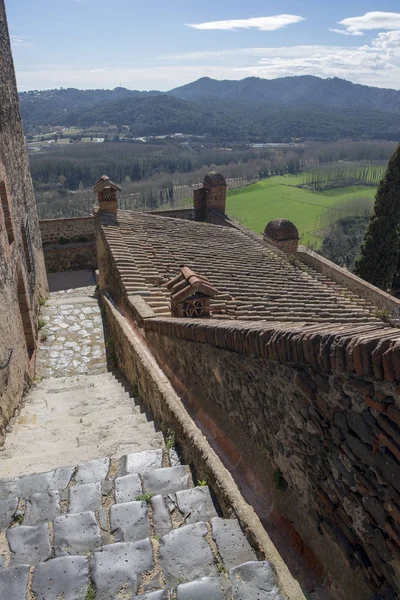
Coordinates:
(130,521)
(7,511)
(42,507)
(197,504)
(13,582)
(119,567)
(66,577)
(161,516)
(167,480)
(76,534)
(93,470)
(159,595)
(254,581)
(232,544)
(185,554)
(85,497)
(141,462)
(202,589)
(128,488)
(29,545)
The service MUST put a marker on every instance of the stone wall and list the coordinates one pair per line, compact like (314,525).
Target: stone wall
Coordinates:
(69,244)
(22,272)
(70,257)
(312,416)
(366,290)
(141,370)
(73,230)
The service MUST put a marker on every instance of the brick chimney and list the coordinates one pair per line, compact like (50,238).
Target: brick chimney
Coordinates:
(107,194)
(282,234)
(212,196)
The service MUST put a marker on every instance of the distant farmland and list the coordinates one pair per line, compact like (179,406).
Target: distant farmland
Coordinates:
(277,197)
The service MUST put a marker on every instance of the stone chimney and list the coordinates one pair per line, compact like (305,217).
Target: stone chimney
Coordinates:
(282,234)
(107,194)
(212,196)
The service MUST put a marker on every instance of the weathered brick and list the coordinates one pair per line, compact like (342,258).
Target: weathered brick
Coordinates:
(394,414)
(380,407)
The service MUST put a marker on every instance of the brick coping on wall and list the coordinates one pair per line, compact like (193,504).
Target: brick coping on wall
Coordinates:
(73,219)
(366,349)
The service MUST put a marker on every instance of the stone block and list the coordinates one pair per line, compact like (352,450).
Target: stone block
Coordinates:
(161,516)
(44,482)
(127,488)
(185,555)
(206,587)
(8,488)
(359,426)
(389,468)
(197,504)
(66,577)
(158,595)
(231,542)
(76,534)
(141,462)
(42,507)
(85,497)
(29,545)
(118,568)
(253,581)
(130,521)
(14,582)
(93,471)
(7,511)
(166,481)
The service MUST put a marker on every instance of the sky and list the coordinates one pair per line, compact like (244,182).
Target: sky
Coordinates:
(162,44)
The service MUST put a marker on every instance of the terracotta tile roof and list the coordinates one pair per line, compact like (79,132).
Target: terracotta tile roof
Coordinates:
(254,281)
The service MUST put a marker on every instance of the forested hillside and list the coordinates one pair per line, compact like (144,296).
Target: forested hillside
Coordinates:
(249,110)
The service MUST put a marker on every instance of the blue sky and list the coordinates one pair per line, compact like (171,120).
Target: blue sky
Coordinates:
(161,44)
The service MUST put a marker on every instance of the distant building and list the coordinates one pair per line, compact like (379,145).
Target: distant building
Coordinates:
(22,273)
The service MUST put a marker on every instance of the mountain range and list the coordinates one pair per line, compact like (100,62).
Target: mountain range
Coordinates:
(305,107)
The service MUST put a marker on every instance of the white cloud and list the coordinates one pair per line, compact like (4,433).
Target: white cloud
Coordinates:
(262,23)
(345,32)
(19,41)
(370,21)
(376,63)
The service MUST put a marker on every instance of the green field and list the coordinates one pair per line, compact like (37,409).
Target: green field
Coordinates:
(259,203)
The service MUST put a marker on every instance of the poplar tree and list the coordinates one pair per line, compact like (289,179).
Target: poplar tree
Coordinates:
(379,252)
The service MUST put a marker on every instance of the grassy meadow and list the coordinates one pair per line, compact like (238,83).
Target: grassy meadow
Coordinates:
(278,197)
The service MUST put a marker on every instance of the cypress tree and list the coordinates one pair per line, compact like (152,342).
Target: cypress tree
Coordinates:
(379,252)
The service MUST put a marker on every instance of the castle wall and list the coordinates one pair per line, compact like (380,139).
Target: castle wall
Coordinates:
(309,423)
(69,244)
(22,272)
(73,230)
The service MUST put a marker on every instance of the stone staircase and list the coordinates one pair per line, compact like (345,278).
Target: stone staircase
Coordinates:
(133,527)
(130,524)
(67,420)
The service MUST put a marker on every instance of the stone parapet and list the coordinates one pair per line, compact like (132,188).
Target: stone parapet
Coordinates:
(352,282)
(308,418)
(72,230)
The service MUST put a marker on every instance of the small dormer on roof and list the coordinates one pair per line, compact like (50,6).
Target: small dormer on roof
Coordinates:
(106,194)
(190,294)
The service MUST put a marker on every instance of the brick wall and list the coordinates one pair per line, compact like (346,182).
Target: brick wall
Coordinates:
(312,415)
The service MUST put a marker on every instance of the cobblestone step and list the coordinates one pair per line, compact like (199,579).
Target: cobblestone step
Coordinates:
(128,528)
